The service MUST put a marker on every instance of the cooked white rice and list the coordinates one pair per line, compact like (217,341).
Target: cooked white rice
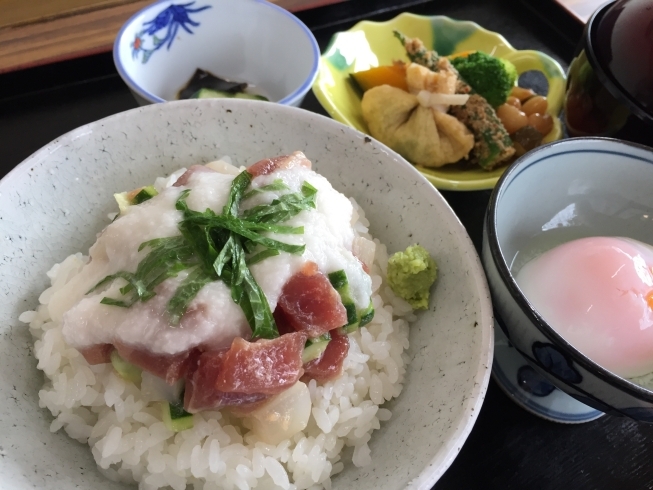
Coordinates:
(131,443)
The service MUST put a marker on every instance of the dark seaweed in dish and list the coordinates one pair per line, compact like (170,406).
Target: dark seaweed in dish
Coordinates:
(203,79)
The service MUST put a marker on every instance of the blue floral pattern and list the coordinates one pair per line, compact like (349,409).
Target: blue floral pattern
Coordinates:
(556,363)
(531,382)
(150,39)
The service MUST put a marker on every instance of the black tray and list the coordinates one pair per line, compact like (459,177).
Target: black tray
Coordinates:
(508,447)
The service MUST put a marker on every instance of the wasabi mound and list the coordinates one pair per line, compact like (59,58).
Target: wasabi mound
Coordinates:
(411,274)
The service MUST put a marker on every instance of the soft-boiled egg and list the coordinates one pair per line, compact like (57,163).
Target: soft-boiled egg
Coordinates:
(597,293)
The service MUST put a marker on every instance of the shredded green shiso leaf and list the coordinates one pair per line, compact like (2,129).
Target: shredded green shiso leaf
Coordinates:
(218,247)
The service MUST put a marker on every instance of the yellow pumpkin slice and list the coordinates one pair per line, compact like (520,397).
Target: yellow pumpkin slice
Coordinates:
(393,75)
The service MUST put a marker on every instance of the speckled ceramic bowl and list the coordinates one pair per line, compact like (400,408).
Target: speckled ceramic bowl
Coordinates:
(55,202)
(569,189)
(157,51)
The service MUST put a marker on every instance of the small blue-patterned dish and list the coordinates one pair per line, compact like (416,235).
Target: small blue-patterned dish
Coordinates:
(158,50)
(530,390)
(568,189)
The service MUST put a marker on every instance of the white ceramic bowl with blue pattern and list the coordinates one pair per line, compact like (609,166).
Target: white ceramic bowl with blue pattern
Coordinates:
(157,51)
(569,189)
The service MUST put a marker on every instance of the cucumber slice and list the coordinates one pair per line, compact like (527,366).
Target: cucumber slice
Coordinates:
(321,338)
(352,314)
(338,280)
(204,79)
(125,370)
(355,319)
(144,194)
(314,350)
(137,196)
(207,93)
(366,315)
(123,201)
(175,417)
(245,95)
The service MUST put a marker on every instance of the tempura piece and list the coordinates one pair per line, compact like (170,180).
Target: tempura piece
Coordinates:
(424,135)
(492,144)
(420,78)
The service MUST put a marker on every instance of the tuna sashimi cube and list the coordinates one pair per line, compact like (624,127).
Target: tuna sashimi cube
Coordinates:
(169,367)
(311,304)
(98,354)
(200,392)
(269,165)
(264,366)
(185,177)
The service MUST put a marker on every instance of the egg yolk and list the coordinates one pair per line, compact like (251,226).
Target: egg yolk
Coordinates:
(597,293)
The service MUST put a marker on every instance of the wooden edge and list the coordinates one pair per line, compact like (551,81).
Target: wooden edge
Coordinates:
(63,38)
(19,13)
(80,35)
(581,10)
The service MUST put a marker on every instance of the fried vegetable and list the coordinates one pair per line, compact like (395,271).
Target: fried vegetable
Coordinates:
(491,77)
(492,144)
(393,75)
(417,52)
(424,136)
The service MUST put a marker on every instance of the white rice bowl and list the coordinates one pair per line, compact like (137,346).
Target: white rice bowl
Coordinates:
(64,193)
(130,442)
